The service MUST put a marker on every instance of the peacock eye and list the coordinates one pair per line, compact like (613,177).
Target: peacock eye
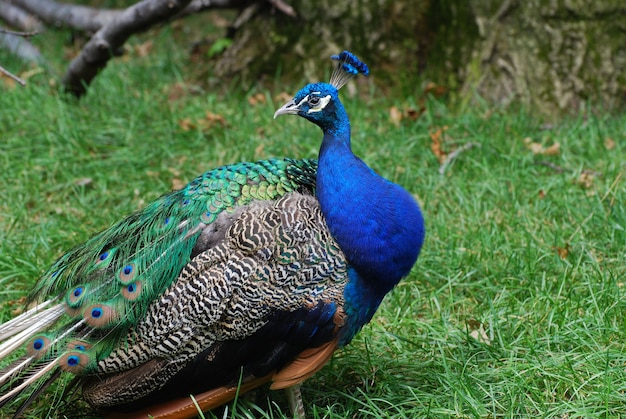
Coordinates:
(314,101)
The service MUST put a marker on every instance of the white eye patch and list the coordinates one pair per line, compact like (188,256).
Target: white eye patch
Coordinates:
(323,102)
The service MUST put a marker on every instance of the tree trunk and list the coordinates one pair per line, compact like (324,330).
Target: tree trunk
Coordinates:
(551,55)
(381,32)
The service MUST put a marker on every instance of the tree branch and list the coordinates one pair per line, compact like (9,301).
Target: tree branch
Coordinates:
(83,18)
(11,75)
(18,18)
(97,52)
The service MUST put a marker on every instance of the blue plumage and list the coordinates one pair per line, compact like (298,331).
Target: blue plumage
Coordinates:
(252,273)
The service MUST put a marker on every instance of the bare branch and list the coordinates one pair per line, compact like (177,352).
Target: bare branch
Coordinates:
(77,17)
(201,5)
(20,47)
(18,18)
(11,75)
(97,52)
(15,33)
(454,155)
(283,7)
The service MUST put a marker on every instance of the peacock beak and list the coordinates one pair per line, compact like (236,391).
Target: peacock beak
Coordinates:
(289,108)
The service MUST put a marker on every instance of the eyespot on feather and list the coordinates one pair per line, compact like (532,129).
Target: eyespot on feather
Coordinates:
(100,315)
(208,217)
(74,361)
(127,274)
(105,257)
(76,296)
(78,345)
(38,346)
(131,291)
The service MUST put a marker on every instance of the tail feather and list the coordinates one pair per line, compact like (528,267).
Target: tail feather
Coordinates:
(33,396)
(30,381)
(22,321)
(35,321)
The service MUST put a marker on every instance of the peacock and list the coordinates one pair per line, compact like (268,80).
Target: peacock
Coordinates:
(254,273)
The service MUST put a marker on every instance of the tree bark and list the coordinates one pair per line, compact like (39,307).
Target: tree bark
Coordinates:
(81,18)
(104,44)
(552,56)
(381,32)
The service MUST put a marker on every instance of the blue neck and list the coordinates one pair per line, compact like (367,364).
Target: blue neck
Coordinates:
(377,224)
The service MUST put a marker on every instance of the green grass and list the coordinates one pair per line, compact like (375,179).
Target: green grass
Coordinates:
(492,323)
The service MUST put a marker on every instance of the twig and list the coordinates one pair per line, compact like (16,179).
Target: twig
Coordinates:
(18,18)
(453,155)
(283,7)
(11,75)
(112,36)
(22,34)
(84,18)
(557,169)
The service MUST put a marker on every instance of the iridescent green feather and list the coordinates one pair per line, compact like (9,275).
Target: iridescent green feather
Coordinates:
(109,281)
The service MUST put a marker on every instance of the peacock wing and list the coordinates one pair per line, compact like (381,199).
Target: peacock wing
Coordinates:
(91,297)
(263,303)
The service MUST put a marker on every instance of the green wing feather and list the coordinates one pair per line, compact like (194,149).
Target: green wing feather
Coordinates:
(107,283)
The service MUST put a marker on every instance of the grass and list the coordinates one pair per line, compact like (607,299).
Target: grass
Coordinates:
(516,307)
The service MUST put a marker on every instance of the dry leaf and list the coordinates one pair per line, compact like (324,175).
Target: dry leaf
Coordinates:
(186,124)
(436,137)
(395,115)
(553,150)
(177,184)
(413,114)
(478,332)
(142,50)
(434,89)
(563,252)
(609,143)
(283,97)
(83,181)
(256,99)
(539,149)
(585,180)
(210,120)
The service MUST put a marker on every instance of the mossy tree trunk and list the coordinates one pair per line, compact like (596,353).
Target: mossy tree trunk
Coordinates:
(552,55)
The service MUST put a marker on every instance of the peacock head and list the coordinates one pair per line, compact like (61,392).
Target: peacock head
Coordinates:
(319,102)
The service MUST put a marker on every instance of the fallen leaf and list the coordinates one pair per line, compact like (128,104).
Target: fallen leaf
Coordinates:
(413,114)
(177,184)
(186,124)
(585,180)
(282,97)
(436,137)
(563,252)
(477,331)
(142,50)
(395,115)
(210,120)
(435,89)
(256,99)
(538,148)
(609,143)
(553,150)
(83,181)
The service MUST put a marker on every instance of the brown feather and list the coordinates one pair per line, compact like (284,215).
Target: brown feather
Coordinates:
(305,365)
(184,407)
